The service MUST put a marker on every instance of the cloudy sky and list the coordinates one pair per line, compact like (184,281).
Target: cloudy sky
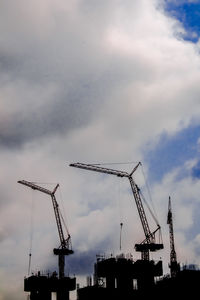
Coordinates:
(96,82)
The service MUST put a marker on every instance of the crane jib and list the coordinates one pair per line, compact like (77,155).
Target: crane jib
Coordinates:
(99,169)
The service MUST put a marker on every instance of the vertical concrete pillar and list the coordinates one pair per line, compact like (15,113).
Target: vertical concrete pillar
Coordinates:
(63,295)
(40,295)
(110,282)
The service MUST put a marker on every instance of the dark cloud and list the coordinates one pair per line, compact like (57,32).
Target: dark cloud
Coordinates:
(60,79)
(72,61)
(82,262)
(69,110)
(71,106)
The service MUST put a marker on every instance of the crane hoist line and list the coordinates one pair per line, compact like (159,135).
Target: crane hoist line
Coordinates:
(149,243)
(65,247)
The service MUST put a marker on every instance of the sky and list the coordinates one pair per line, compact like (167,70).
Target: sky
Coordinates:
(113,82)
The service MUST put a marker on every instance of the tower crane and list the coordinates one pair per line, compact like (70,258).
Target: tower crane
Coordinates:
(65,247)
(174,266)
(149,244)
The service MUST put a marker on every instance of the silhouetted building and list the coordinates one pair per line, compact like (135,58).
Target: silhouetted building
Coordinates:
(41,287)
(121,278)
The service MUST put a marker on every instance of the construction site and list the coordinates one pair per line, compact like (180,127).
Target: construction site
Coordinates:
(121,276)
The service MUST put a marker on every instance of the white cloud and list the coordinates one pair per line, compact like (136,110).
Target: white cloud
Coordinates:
(92,82)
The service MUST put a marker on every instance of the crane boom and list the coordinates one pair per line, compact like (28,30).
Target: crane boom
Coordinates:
(149,243)
(65,243)
(140,208)
(37,187)
(99,169)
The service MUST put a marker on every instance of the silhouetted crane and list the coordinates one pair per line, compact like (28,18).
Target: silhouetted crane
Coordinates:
(174,266)
(149,244)
(65,247)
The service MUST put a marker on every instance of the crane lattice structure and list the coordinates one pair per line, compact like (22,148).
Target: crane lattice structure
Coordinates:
(149,244)
(174,266)
(65,247)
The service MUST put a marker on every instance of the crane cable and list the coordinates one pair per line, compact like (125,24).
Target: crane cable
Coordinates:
(120,243)
(32,208)
(64,219)
(152,211)
(149,194)
(120,215)
(114,163)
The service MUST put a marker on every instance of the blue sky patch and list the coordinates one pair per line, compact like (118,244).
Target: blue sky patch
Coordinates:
(196,171)
(188,13)
(173,151)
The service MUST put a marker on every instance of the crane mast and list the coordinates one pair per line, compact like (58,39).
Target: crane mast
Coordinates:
(149,243)
(174,266)
(65,243)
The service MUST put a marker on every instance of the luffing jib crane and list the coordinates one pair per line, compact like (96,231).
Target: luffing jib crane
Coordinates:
(149,244)
(174,266)
(65,247)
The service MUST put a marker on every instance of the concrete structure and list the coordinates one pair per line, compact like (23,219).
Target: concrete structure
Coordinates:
(41,287)
(121,278)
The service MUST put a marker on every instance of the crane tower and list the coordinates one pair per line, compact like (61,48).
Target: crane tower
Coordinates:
(174,266)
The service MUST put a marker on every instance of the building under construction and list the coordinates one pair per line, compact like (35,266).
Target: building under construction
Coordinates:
(41,286)
(119,277)
(123,278)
